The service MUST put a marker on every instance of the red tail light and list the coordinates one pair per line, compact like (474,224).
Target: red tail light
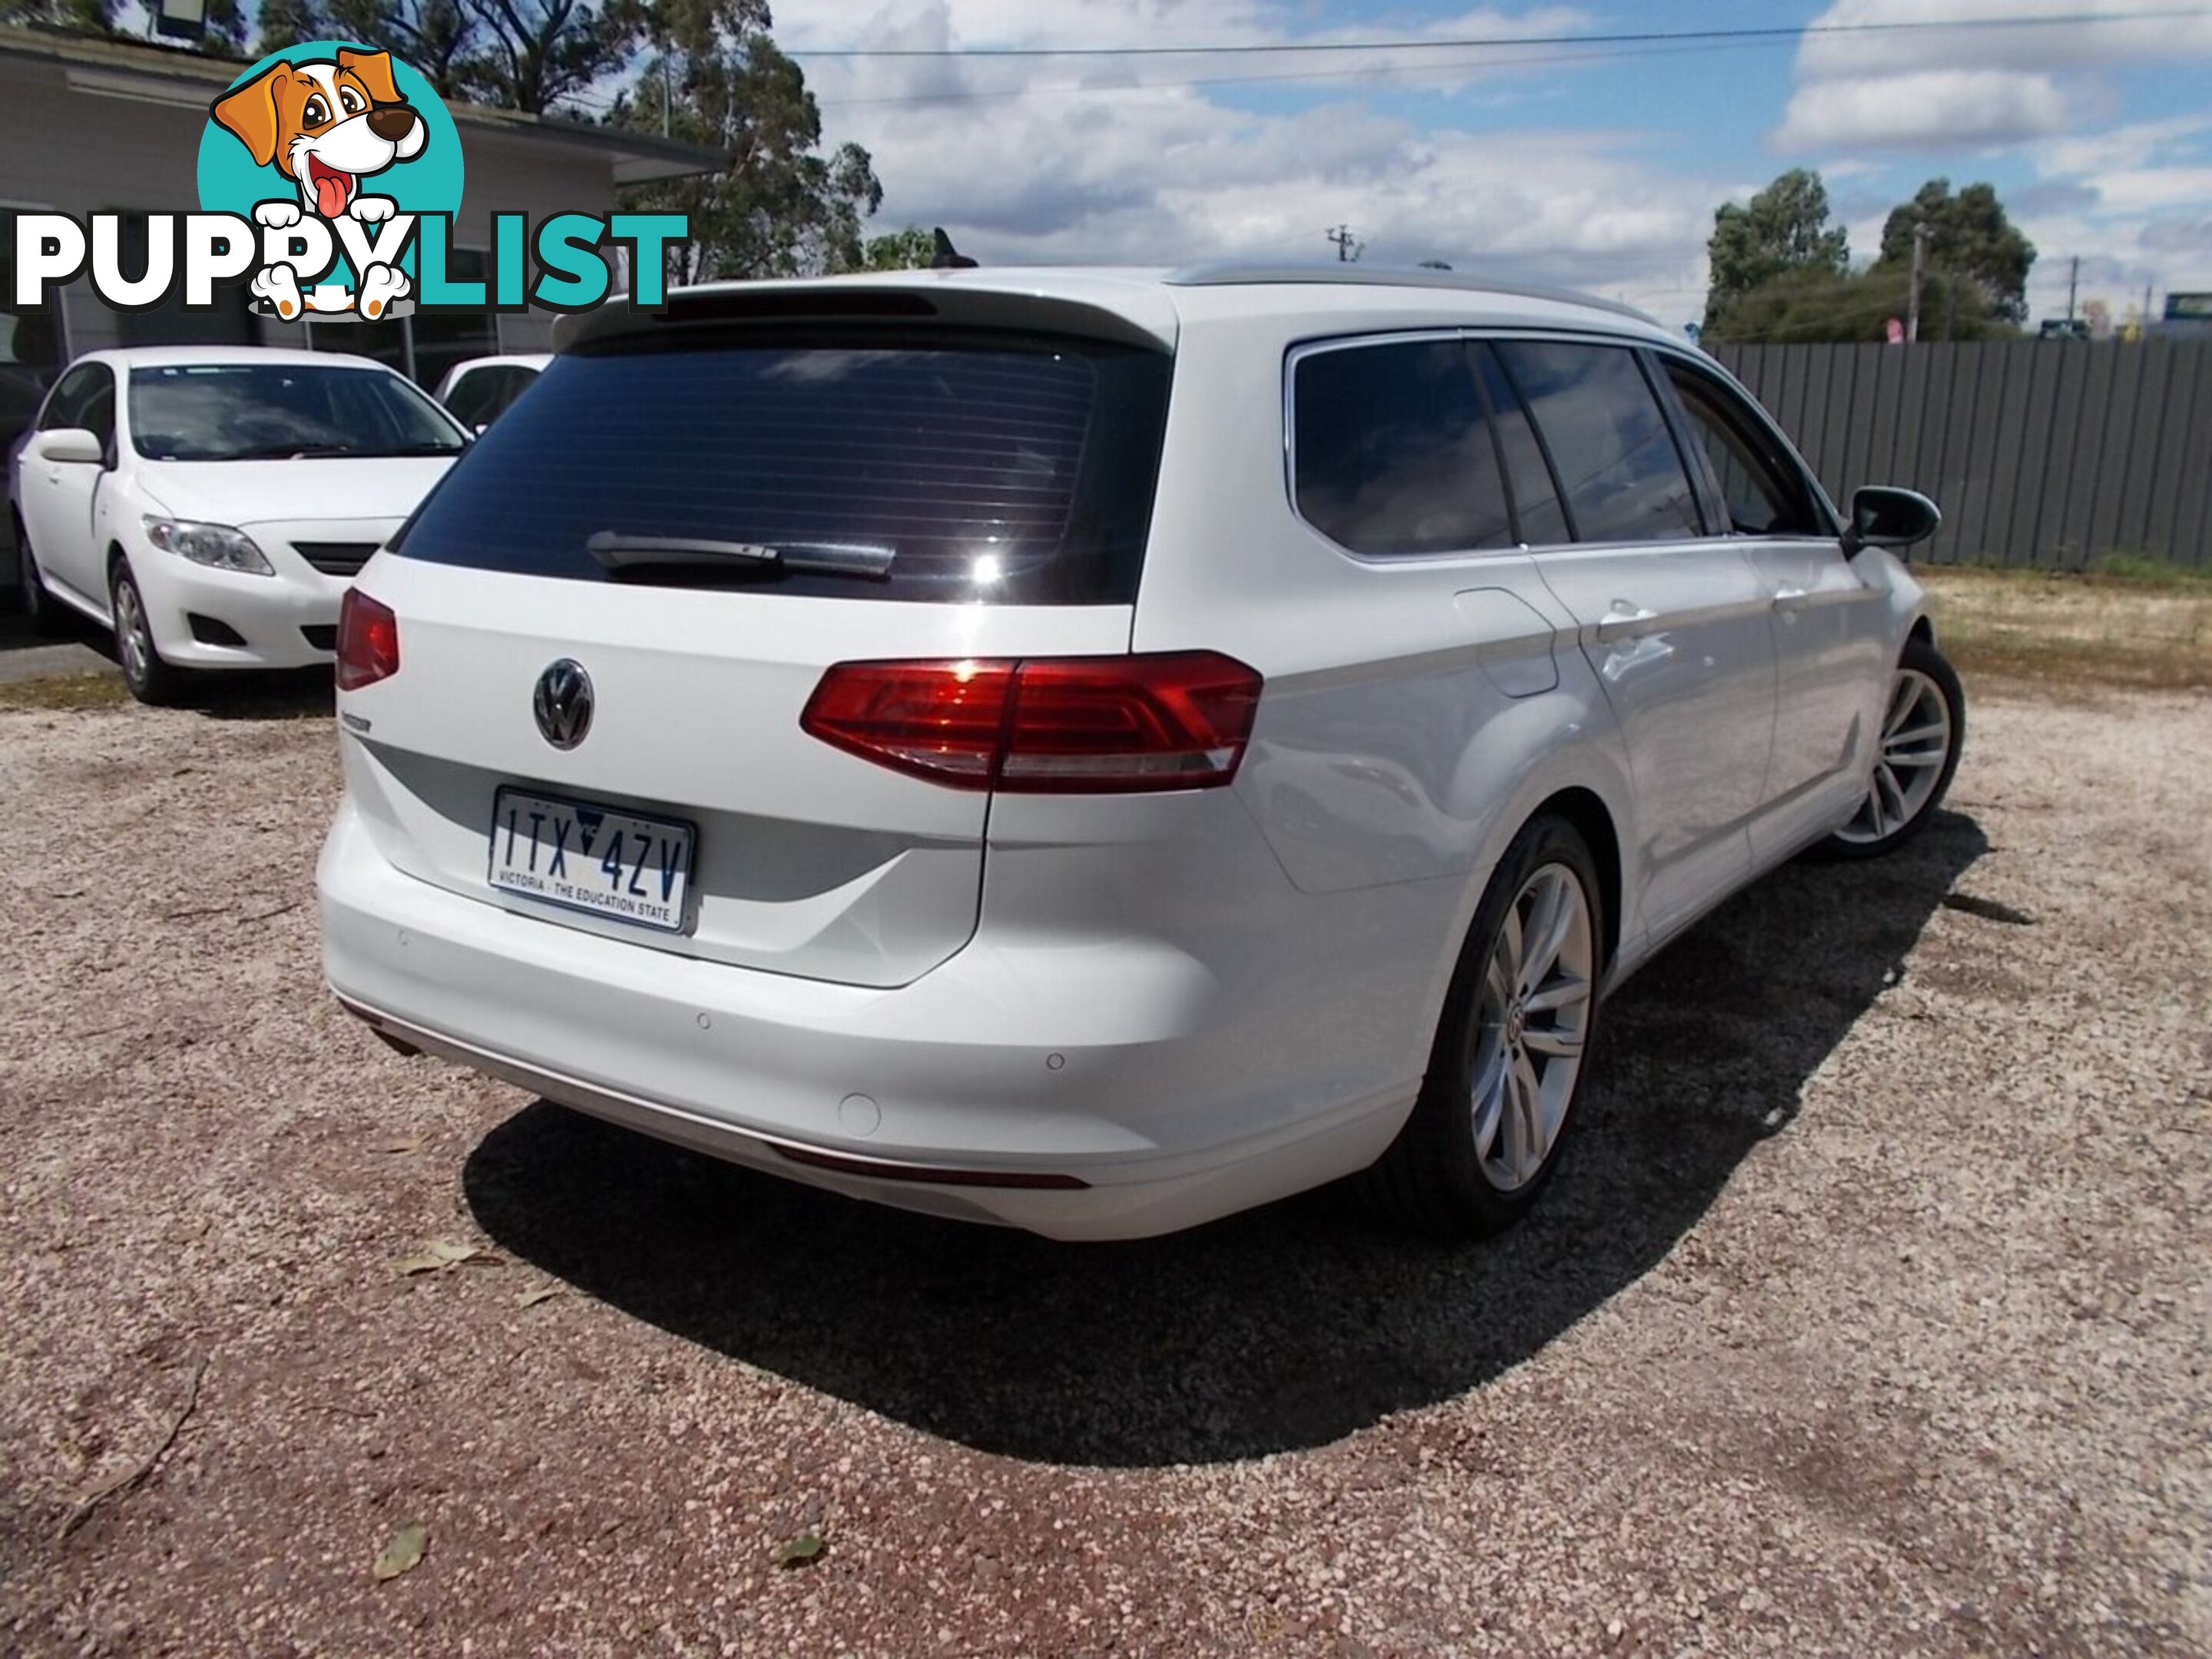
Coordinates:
(1069,725)
(368,641)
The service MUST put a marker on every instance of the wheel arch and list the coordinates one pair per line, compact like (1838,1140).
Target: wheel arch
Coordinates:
(1593,820)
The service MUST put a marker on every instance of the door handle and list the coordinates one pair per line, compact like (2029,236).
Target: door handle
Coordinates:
(1625,621)
(1791,598)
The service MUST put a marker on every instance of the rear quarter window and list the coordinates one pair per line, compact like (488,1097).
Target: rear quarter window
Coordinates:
(1392,449)
(1017,470)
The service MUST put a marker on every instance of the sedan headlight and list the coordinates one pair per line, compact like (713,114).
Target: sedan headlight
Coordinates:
(217,545)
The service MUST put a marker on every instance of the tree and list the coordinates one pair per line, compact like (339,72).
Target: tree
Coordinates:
(782,207)
(284,23)
(534,53)
(528,55)
(911,249)
(1807,305)
(81,16)
(1783,230)
(223,25)
(1970,235)
(438,37)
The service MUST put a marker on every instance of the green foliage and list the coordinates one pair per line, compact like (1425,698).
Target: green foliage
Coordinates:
(1779,273)
(1783,231)
(80,16)
(911,249)
(1969,236)
(519,54)
(223,25)
(85,17)
(1817,306)
(784,207)
(283,23)
(438,37)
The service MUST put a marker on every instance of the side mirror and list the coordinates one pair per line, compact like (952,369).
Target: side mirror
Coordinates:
(71,444)
(1884,517)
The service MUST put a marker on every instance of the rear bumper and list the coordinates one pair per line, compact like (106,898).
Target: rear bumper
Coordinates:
(1114,1067)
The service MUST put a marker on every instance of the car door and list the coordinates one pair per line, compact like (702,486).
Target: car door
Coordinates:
(56,498)
(1831,628)
(1674,622)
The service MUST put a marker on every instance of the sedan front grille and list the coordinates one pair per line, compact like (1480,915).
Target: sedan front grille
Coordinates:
(336,558)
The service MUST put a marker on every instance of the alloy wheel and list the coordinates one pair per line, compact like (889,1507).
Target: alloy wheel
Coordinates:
(132,638)
(1916,741)
(1532,1021)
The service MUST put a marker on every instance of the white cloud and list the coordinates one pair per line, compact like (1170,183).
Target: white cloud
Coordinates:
(1124,161)
(2136,144)
(2065,44)
(1926,109)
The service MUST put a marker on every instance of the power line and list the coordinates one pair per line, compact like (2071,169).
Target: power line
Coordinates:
(2055,19)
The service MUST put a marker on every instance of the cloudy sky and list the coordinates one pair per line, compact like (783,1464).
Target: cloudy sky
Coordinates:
(1595,164)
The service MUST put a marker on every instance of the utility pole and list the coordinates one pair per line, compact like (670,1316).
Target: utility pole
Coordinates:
(1348,246)
(2073,281)
(667,94)
(1912,304)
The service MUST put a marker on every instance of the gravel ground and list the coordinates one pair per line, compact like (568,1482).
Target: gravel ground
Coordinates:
(1869,1314)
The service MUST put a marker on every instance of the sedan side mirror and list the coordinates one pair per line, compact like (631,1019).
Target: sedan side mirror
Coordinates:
(1885,517)
(73,444)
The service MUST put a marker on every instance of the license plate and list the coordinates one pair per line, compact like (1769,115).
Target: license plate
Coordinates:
(614,863)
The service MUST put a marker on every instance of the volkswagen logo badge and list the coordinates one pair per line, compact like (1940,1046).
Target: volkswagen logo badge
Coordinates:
(562,703)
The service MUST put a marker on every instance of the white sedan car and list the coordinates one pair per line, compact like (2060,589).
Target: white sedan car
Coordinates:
(211,505)
(478,391)
(1094,751)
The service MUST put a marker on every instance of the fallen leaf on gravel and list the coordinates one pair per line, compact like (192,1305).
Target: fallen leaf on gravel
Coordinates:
(404,1144)
(531,1298)
(403,1551)
(800,1550)
(439,1255)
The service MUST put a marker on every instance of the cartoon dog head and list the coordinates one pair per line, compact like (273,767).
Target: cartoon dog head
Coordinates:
(325,124)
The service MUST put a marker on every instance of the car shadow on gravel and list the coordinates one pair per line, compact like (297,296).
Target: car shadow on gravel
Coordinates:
(1286,1327)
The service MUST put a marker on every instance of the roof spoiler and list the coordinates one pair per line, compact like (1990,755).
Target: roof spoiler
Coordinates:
(926,299)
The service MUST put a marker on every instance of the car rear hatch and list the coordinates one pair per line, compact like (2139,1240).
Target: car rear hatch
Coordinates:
(605,629)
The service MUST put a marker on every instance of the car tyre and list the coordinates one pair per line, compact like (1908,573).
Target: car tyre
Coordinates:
(1506,1068)
(1923,731)
(150,679)
(38,607)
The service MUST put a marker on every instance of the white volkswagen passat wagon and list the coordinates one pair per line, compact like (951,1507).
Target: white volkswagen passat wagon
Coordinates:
(1095,751)
(211,504)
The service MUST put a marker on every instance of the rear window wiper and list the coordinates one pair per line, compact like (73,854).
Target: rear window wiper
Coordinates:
(618,551)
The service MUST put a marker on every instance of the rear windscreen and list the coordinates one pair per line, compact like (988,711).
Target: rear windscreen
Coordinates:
(940,468)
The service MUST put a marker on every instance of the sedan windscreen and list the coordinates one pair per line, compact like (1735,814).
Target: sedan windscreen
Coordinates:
(936,467)
(272,411)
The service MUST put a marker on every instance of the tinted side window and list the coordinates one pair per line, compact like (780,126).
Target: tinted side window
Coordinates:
(66,408)
(1535,493)
(1616,461)
(98,414)
(1764,494)
(1394,451)
(484,394)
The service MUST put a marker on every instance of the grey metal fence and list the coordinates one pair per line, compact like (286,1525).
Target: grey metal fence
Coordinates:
(2041,452)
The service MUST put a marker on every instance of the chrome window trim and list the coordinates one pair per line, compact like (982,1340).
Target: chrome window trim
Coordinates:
(1300,350)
